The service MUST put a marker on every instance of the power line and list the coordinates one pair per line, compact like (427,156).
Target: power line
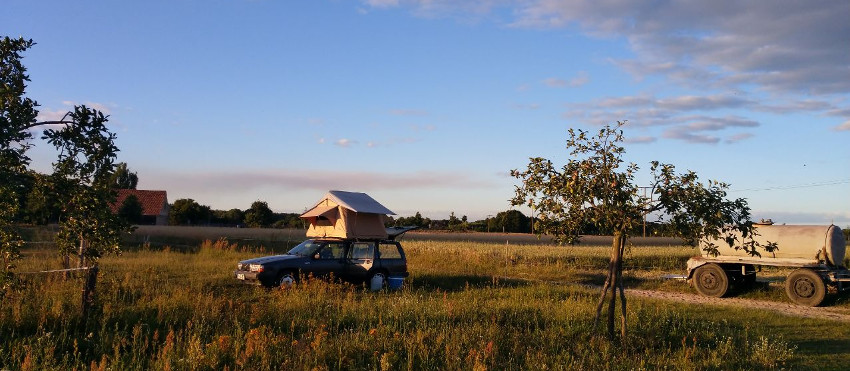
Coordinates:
(796,186)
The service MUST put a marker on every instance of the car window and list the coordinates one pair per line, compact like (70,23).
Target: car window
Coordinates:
(389,251)
(333,250)
(362,250)
(305,248)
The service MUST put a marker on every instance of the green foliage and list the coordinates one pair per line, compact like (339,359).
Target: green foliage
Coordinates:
(596,187)
(511,221)
(456,224)
(84,170)
(415,220)
(43,203)
(123,178)
(186,211)
(131,210)
(259,215)
(230,217)
(17,115)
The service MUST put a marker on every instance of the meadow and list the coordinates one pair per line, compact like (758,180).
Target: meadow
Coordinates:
(466,305)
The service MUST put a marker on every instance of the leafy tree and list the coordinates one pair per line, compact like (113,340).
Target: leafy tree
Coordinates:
(17,116)
(416,220)
(123,178)
(512,221)
(596,187)
(131,210)
(43,202)
(186,211)
(85,166)
(228,217)
(259,215)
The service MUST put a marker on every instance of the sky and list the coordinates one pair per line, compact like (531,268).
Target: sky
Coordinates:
(427,105)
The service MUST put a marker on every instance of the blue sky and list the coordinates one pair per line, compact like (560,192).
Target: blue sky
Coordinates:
(428,104)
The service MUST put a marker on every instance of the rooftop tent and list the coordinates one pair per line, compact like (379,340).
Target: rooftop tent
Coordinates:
(343,214)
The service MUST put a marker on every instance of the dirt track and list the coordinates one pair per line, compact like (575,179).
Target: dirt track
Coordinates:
(786,308)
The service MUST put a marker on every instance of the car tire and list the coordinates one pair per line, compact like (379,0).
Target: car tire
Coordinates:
(286,280)
(378,281)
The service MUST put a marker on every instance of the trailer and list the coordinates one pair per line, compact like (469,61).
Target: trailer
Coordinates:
(817,253)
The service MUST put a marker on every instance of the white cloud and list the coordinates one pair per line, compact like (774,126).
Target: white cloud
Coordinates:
(581,78)
(345,143)
(555,82)
(739,137)
(382,3)
(693,132)
(781,46)
(787,46)
(843,127)
(641,140)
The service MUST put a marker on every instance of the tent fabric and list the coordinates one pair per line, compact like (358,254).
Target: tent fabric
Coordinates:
(358,202)
(318,210)
(347,215)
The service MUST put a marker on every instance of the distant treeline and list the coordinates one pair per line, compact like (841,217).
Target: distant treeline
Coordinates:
(259,215)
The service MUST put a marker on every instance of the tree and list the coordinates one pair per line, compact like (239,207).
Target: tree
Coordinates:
(596,187)
(186,211)
(17,115)
(131,210)
(259,215)
(84,169)
(512,221)
(123,178)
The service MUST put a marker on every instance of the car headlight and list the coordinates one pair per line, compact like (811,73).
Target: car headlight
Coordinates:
(255,267)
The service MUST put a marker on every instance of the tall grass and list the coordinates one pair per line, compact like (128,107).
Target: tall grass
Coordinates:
(171,310)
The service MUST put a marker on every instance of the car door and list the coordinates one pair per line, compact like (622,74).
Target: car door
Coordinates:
(391,258)
(329,260)
(360,258)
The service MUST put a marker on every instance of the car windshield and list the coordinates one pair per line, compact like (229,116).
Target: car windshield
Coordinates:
(306,248)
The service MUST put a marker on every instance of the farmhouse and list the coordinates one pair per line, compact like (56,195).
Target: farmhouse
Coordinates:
(343,214)
(154,205)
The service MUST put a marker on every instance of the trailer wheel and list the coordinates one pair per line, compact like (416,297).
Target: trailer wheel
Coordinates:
(711,280)
(805,287)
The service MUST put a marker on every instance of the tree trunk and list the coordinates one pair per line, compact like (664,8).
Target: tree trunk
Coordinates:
(614,283)
(89,289)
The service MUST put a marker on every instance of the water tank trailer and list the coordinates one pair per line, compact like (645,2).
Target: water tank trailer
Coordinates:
(817,253)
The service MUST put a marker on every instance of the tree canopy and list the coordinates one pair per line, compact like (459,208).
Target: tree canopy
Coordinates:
(17,115)
(597,187)
(123,178)
(79,187)
(186,211)
(259,215)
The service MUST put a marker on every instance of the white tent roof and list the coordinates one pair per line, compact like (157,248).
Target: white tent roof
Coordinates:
(354,201)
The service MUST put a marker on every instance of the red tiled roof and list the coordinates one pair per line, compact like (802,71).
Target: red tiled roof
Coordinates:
(152,201)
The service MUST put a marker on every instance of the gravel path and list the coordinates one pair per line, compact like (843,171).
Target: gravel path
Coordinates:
(786,308)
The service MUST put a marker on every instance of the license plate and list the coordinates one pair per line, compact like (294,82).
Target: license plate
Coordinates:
(240,276)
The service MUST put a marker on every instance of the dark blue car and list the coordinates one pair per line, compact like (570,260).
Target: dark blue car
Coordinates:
(356,261)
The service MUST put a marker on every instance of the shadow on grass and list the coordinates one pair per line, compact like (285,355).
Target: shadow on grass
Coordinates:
(452,283)
(598,279)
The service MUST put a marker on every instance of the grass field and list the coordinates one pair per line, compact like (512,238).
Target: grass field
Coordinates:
(467,305)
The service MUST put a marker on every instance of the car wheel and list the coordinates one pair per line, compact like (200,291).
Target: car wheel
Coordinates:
(378,281)
(286,280)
